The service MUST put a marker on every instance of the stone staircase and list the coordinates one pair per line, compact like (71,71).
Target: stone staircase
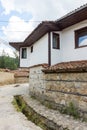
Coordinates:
(53,119)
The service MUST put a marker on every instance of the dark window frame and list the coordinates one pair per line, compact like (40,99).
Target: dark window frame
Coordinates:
(24,50)
(31,49)
(79,33)
(57,36)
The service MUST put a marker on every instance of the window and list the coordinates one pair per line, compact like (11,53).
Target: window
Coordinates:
(31,49)
(24,53)
(81,37)
(56,41)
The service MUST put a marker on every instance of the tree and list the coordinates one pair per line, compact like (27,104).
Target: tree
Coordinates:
(8,62)
(16,58)
(2,62)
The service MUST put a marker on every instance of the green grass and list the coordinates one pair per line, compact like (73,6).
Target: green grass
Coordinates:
(31,114)
(71,110)
(14,102)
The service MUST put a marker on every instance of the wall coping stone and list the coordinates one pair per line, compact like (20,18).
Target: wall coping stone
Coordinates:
(64,67)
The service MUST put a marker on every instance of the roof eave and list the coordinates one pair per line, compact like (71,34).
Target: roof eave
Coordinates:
(73,18)
(16,45)
(39,32)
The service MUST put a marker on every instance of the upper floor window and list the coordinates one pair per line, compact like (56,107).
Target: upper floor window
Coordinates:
(56,41)
(31,49)
(81,37)
(24,53)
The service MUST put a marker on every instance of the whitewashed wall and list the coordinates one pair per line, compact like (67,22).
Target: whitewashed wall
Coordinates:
(55,53)
(25,62)
(67,51)
(67,45)
(40,51)
(39,54)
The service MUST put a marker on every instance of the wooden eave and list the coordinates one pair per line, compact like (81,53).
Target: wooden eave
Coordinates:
(72,18)
(16,45)
(40,31)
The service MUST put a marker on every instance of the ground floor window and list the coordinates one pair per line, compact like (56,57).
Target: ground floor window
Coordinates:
(24,53)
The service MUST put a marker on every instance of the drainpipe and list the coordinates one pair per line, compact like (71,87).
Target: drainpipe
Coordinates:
(49,48)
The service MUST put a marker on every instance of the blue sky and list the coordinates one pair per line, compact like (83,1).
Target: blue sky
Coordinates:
(19,17)
(83,40)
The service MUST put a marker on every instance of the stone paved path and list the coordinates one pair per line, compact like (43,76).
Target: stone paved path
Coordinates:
(10,119)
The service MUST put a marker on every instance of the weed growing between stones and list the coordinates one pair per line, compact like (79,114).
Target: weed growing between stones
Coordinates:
(71,110)
(35,117)
(16,105)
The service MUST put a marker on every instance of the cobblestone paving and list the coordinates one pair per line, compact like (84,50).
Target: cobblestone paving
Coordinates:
(10,119)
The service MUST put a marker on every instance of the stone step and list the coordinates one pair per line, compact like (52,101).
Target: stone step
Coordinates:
(54,118)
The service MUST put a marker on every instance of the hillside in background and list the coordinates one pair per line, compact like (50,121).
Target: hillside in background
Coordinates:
(7,62)
(8,56)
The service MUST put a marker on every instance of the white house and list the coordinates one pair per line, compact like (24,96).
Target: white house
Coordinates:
(56,41)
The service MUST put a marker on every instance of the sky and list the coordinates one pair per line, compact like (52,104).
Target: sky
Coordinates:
(19,17)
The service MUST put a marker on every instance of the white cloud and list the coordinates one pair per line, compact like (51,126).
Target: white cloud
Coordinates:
(7,5)
(70,5)
(7,50)
(47,9)
(39,9)
(17,29)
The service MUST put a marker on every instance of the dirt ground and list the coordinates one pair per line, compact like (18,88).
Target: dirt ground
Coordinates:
(6,78)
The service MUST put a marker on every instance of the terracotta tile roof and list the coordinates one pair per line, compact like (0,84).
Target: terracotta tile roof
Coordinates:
(4,70)
(74,11)
(73,66)
(44,65)
(73,17)
(21,73)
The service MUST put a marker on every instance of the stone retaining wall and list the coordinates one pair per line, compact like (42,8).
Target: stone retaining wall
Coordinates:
(6,78)
(21,76)
(64,88)
(21,79)
(59,89)
(36,81)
